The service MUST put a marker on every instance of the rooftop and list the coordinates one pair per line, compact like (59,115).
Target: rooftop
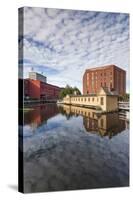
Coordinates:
(41,82)
(105,89)
(103,67)
(108,92)
(32,72)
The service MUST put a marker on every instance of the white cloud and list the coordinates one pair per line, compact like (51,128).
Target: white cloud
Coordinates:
(72,41)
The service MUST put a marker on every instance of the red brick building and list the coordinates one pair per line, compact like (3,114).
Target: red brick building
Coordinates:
(37,89)
(109,76)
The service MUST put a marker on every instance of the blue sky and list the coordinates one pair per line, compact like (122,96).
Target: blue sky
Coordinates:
(63,43)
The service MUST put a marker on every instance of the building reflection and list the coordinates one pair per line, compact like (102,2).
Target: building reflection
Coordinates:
(105,125)
(40,114)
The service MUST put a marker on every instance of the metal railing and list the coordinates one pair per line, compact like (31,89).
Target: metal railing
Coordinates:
(124,105)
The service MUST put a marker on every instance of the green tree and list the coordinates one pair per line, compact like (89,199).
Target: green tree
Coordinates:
(69,90)
(124,97)
(76,90)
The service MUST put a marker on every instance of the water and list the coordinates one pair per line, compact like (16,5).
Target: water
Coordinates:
(68,148)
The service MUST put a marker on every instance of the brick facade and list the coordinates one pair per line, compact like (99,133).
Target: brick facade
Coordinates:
(36,89)
(109,76)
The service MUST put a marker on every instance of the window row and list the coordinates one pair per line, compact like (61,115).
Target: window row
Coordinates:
(84,99)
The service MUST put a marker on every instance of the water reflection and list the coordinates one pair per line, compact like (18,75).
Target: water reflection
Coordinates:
(108,124)
(39,114)
(102,124)
(63,149)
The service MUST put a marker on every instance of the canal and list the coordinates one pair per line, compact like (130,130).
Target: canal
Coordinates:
(68,147)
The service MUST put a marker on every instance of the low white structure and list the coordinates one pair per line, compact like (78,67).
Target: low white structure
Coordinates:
(104,100)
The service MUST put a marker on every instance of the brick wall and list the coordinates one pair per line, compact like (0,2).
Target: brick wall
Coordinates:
(108,76)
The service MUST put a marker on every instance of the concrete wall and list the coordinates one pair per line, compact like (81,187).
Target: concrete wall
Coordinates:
(104,105)
(112,103)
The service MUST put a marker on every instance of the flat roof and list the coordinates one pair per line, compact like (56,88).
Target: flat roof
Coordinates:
(104,67)
(37,74)
(42,82)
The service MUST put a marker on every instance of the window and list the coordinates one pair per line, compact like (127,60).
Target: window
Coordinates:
(101,123)
(105,84)
(88,99)
(93,99)
(102,102)
(85,99)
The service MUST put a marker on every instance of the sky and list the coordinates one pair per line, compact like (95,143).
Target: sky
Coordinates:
(62,44)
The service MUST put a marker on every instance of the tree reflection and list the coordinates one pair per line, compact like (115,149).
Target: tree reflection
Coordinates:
(102,124)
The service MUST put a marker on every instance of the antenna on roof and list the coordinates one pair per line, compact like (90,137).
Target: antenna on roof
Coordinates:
(32,69)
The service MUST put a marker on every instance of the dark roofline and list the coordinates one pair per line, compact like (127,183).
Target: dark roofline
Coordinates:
(42,82)
(104,67)
(92,95)
(120,68)
(51,84)
(108,92)
(84,95)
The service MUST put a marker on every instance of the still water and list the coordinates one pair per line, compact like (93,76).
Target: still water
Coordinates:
(68,147)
